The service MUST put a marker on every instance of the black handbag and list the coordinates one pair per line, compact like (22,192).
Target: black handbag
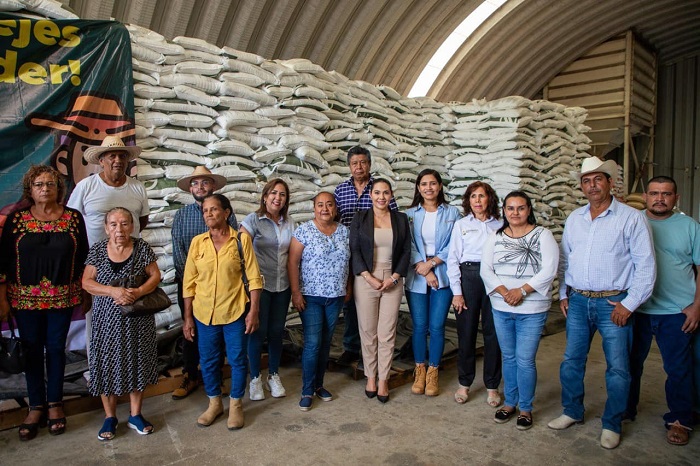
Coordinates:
(152,303)
(12,353)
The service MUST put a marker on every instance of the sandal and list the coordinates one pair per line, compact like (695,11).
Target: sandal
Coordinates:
(140,425)
(676,434)
(460,397)
(108,430)
(494,399)
(57,426)
(27,431)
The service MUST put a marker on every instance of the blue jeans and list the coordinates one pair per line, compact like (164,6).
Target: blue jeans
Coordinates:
(585,316)
(318,321)
(519,337)
(211,342)
(351,334)
(44,332)
(675,347)
(273,316)
(428,313)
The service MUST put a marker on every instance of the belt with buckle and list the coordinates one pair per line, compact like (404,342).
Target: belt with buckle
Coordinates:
(598,294)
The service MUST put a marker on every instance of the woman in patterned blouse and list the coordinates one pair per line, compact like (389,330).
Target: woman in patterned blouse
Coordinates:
(319,256)
(43,250)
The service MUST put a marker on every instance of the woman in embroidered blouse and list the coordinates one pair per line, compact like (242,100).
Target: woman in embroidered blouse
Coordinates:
(319,257)
(427,287)
(271,230)
(123,350)
(43,251)
(471,302)
(518,265)
(216,306)
(380,243)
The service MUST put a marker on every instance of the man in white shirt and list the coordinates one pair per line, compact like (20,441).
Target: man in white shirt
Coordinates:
(95,195)
(606,271)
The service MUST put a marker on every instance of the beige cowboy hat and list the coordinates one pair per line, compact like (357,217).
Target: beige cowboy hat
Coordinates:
(595,165)
(110,144)
(201,172)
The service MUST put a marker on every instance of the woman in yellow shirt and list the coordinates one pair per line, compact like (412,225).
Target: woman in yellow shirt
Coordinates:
(216,306)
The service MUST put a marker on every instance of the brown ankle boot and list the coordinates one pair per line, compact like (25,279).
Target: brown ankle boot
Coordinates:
(431,382)
(235,414)
(418,387)
(215,409)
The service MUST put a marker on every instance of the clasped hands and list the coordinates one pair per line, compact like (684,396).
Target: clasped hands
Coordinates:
(426,269)
(125,296)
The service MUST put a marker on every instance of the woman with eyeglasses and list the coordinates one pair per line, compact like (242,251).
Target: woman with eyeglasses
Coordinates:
(44,247)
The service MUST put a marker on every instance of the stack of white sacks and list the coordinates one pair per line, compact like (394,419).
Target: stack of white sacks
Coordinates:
(251,119)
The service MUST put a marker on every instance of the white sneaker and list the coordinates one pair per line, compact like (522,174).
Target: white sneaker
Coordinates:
(274,385)
(256,390)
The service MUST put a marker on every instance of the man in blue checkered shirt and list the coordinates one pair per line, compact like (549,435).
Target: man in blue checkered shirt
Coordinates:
(189,223)
(352,196)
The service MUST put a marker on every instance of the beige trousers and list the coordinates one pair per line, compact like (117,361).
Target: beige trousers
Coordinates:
(377,316)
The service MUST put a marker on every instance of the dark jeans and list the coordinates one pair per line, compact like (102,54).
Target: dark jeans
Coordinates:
(675,348)
(273,317)
(351,334)
(478,304)
(44,330)
(318,321)
(190,350)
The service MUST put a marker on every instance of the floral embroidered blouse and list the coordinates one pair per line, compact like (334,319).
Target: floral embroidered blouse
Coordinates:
(42,261)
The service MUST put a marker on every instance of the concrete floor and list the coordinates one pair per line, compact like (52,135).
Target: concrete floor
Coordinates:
(352,429)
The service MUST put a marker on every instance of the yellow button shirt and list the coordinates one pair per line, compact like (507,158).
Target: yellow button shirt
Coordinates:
(214,279)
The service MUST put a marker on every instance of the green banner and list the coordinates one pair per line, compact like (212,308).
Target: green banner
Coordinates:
(64,84)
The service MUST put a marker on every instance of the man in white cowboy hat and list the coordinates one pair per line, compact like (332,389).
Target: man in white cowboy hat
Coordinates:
(95,195)
(606,271)
(189,223)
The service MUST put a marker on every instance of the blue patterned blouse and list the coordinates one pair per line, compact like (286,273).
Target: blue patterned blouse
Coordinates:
(324,261)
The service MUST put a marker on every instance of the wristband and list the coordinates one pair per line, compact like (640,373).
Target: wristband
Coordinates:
(523,292)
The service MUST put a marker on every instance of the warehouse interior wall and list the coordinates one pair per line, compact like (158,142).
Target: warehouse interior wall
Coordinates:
(677,142)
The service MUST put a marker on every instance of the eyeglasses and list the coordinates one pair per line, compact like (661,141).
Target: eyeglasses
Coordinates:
(195,183)
(48,184)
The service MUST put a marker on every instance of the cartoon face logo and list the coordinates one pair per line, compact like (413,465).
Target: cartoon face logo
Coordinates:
(90,117)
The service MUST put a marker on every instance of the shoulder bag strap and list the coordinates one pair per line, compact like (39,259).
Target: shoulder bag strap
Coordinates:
(243,274)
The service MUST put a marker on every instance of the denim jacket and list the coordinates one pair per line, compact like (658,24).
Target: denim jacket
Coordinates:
(446,218)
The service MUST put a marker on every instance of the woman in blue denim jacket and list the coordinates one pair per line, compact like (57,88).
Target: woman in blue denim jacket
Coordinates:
(427,285)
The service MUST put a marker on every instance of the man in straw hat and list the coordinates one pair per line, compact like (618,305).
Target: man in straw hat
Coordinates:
(606,271)
(672,313)
(95,195)
(189,223)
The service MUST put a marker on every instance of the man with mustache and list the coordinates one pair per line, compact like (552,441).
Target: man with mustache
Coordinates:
(606,271)
(673,311)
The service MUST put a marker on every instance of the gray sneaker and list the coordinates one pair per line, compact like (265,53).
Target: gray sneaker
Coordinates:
(274,385)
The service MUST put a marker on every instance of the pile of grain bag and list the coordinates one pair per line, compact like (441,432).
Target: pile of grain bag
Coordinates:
(251,119)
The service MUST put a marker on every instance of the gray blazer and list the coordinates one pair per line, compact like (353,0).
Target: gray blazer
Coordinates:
(362,242)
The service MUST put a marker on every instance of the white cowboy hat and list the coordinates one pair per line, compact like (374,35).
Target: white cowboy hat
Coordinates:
(595,165)
(110,144)
(201,172)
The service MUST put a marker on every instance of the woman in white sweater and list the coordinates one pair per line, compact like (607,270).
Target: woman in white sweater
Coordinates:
(518,264)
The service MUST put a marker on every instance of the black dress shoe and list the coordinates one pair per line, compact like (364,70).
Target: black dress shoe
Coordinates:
(370,394)
(347,358)
(383,398)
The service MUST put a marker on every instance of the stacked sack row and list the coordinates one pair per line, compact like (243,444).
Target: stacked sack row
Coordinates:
(518,144)
(250,119)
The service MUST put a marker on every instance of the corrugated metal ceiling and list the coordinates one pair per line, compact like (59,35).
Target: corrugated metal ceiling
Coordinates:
(517,51)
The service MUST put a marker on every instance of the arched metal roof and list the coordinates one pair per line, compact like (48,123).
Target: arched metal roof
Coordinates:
(516,51)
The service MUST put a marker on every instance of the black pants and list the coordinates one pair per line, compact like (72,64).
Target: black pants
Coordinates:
(478,303)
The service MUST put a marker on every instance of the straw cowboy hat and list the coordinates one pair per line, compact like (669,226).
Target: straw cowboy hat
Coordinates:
(110,144)
(201,172)
(595,165)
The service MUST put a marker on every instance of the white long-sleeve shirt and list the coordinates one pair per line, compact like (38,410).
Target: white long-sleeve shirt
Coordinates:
(513,262)
(468,237)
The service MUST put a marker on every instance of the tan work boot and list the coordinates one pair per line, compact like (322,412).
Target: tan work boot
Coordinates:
(431,382)
(235,414)
(418,387)
(186,387)
(215,409)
